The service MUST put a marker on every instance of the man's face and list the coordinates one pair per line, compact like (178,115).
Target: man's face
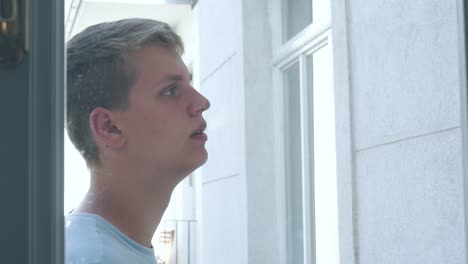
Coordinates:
(163,123)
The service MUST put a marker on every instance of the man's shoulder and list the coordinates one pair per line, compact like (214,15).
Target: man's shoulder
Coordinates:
(92,240)
(86,242)
(82,242)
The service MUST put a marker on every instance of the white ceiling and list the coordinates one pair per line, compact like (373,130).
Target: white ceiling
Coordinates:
(96,11)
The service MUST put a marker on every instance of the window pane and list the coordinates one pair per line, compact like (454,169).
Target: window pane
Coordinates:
(294,223)
(326,206)
(321,10)
(298,14)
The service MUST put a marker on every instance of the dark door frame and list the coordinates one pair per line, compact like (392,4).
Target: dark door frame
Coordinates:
(31,155)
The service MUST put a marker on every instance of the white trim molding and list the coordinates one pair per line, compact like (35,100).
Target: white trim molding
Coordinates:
(314,35)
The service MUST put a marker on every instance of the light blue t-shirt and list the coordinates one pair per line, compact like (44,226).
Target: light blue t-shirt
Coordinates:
(90,239)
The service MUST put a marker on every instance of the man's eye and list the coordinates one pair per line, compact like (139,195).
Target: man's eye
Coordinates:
(170,91)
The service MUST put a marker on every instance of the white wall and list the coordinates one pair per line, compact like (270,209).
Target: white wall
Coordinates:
(406,124)
(263,230)
(239,200)
(224,208)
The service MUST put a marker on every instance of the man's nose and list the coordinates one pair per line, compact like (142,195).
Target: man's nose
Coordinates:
(199,104)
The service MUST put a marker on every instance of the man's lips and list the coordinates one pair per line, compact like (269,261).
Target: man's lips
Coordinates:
(199,133)
(201,136)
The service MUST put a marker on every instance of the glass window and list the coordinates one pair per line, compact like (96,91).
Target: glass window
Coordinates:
(309,183)
(326,206)
(298,14)
(293,179)
(322,205)
(321,10)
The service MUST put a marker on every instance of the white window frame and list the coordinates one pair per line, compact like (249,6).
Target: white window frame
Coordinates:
(308,41)
(311,39)
(306,146)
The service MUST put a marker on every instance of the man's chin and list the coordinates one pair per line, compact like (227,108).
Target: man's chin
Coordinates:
(201,161)
(193,165)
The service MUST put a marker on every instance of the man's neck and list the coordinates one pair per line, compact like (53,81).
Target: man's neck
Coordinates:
(134,209)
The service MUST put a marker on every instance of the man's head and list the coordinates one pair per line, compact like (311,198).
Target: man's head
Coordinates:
(129,95)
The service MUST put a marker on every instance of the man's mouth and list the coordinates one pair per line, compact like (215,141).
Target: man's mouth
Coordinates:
(200,133)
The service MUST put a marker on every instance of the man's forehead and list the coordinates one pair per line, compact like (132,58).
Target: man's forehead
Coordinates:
(166,61)
(159,48)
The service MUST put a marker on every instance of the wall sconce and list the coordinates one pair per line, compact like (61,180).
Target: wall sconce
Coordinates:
(12,28)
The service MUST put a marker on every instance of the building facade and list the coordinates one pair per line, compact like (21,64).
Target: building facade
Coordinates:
(395,110)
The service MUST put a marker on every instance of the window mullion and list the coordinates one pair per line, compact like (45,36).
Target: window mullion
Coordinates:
(280,135)
(307,177)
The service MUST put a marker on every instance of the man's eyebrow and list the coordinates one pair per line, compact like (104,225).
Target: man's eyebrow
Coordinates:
(176,77)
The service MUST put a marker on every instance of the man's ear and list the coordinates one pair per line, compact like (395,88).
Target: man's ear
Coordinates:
(104,130)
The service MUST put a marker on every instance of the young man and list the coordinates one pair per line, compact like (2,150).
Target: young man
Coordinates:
(137,121)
